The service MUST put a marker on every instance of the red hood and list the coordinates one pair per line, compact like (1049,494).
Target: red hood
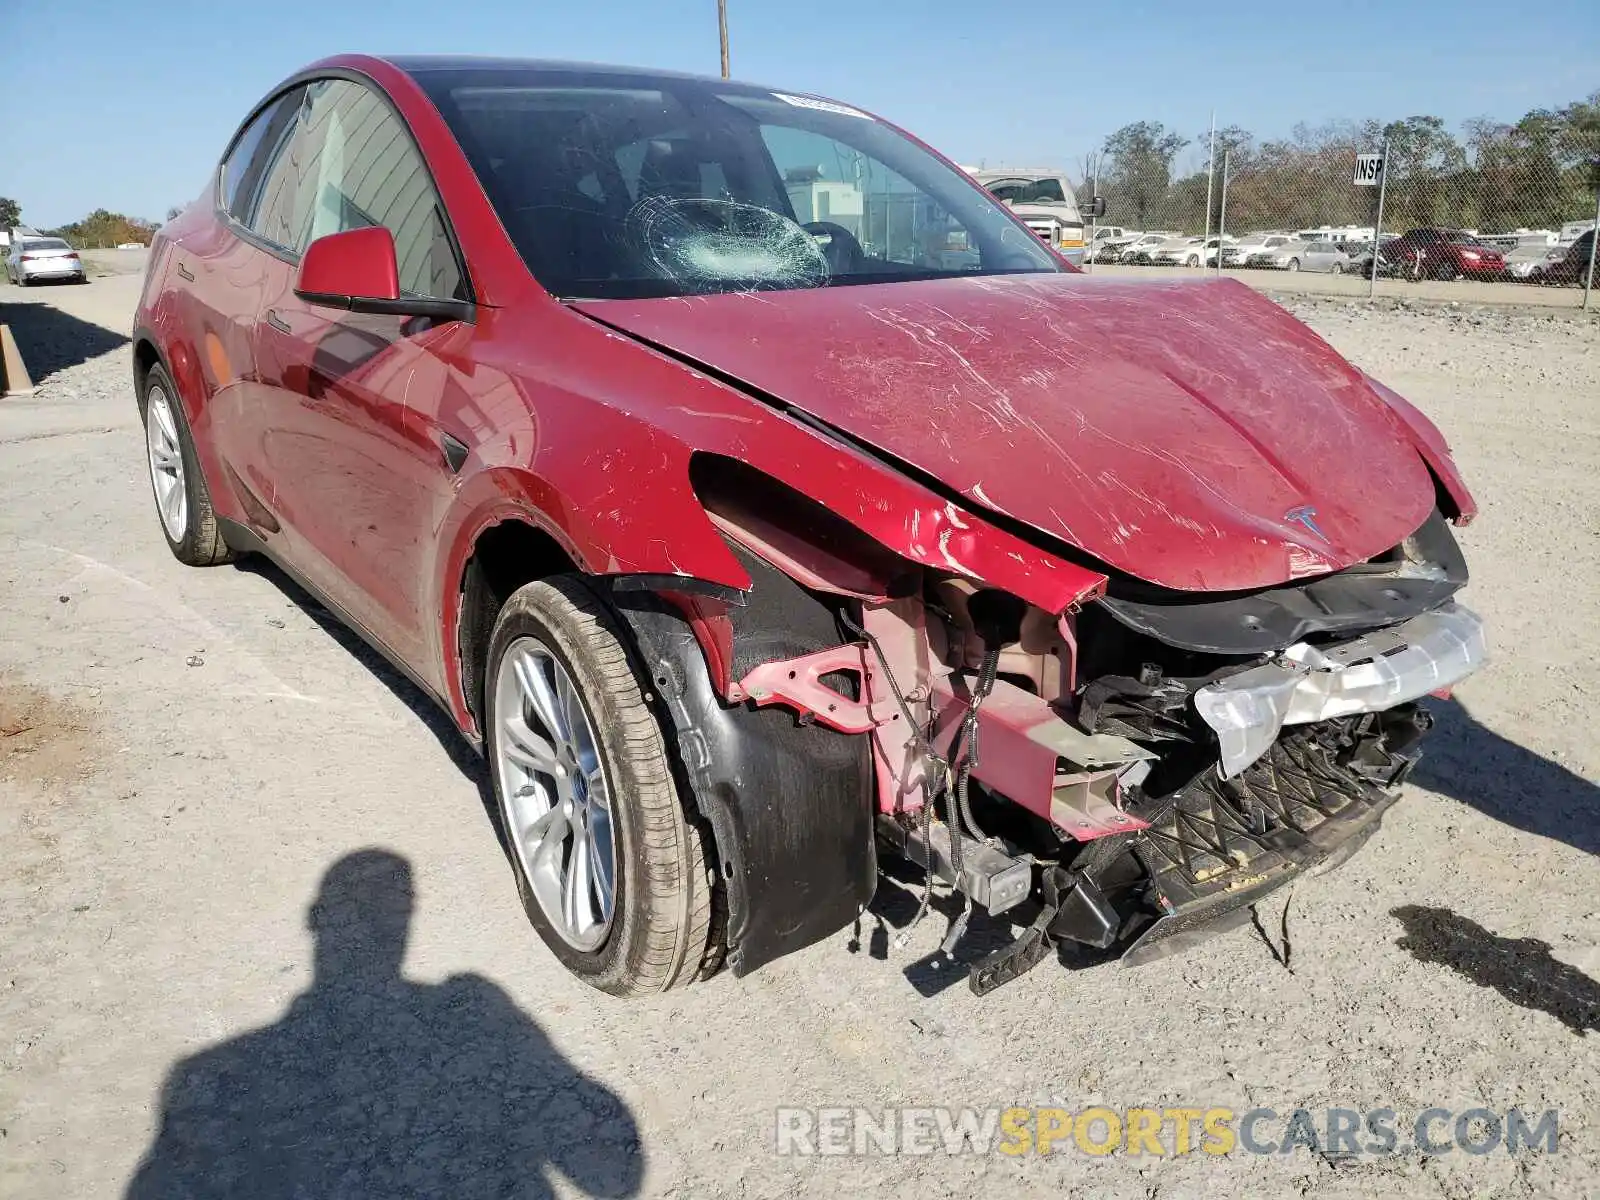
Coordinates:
(1167,428)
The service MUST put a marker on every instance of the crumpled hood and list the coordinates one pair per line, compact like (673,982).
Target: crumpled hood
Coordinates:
(1191,434)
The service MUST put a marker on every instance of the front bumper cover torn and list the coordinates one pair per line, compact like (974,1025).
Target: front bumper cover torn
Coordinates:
(1306,683)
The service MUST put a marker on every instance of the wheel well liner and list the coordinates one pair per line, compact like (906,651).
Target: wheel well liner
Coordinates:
(789,804)
(145,356)
(504,557)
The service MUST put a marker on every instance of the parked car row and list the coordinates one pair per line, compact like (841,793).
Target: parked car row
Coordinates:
(1429,252)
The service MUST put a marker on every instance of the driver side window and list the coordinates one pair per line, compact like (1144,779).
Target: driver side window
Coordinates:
(894,220)
(359,168)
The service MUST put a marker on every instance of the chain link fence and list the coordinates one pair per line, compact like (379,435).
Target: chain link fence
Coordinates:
(1509,204)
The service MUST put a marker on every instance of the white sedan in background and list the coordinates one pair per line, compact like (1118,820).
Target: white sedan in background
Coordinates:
(1326,256)
(1190,252)
(1238,254)
(1143,247)
(1526,263)
(1287,255)
(39,258)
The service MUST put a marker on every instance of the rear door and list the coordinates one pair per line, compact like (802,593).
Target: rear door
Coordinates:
(218,271)
(355,399)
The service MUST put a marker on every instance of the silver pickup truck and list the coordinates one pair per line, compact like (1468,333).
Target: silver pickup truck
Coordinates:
(1046,203)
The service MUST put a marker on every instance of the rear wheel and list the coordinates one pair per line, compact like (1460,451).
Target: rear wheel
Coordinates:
(183,503)
(611,869)
(1336,269)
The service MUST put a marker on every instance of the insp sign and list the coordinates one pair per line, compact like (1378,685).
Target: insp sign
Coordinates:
(1368,168)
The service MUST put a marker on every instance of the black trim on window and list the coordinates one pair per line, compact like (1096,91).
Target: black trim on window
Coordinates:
(440,308)
(464,309)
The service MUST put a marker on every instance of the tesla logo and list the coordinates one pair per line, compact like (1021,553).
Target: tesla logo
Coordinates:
(1307,516)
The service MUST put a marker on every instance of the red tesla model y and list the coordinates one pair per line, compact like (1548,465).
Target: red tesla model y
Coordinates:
(763,498)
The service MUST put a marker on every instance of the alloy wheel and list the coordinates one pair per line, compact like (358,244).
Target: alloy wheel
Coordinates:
(166,464)
(557,800)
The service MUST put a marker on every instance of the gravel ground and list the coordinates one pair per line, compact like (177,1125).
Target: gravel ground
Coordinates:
(189,759)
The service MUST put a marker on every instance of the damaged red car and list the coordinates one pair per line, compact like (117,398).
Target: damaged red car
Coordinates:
(766,501)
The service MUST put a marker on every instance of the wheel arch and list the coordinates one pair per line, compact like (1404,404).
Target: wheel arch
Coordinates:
(145,356)
(505,555)
(510,526)
(789,804)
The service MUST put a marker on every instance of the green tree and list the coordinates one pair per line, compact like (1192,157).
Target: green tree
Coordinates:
(1138,171)
(10,213)
(1427,168)
(1540,171)
(103,228)
(1578,141)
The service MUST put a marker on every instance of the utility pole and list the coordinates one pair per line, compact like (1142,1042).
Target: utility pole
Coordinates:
(722,33)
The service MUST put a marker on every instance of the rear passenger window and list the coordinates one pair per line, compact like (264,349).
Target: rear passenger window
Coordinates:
(272,215)
(262,144)
(355,167)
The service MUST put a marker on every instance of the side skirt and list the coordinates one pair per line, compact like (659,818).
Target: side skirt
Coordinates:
(244,540)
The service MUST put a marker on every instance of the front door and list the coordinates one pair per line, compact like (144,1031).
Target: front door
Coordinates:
(358,449)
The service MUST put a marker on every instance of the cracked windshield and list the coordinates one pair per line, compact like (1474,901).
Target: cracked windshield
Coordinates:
(692,188)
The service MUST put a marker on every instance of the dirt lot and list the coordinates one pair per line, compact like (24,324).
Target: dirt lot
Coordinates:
(185,754)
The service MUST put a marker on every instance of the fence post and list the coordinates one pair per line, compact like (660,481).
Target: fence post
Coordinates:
(1211,174)
(1094,222)
(1377,224)
(1594,239)
(1222,210)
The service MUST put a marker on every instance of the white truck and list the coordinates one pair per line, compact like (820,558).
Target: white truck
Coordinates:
(1045,201)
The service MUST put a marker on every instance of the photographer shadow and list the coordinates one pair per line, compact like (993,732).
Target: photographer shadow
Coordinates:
(374,1085)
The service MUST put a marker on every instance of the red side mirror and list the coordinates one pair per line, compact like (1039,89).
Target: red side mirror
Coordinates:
(344,269)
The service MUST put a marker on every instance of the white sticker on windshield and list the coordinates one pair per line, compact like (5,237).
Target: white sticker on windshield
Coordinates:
(843,110)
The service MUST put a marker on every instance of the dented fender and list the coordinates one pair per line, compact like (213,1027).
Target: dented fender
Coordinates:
(1433,447)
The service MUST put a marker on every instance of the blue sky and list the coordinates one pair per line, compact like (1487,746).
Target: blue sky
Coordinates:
(126,105)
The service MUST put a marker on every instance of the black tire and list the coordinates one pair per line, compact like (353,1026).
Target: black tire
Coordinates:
(1336,269)
(202,544)
(661,932)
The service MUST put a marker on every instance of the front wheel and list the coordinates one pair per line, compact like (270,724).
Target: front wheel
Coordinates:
(1336,269)
(611,868)
(1294,264)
